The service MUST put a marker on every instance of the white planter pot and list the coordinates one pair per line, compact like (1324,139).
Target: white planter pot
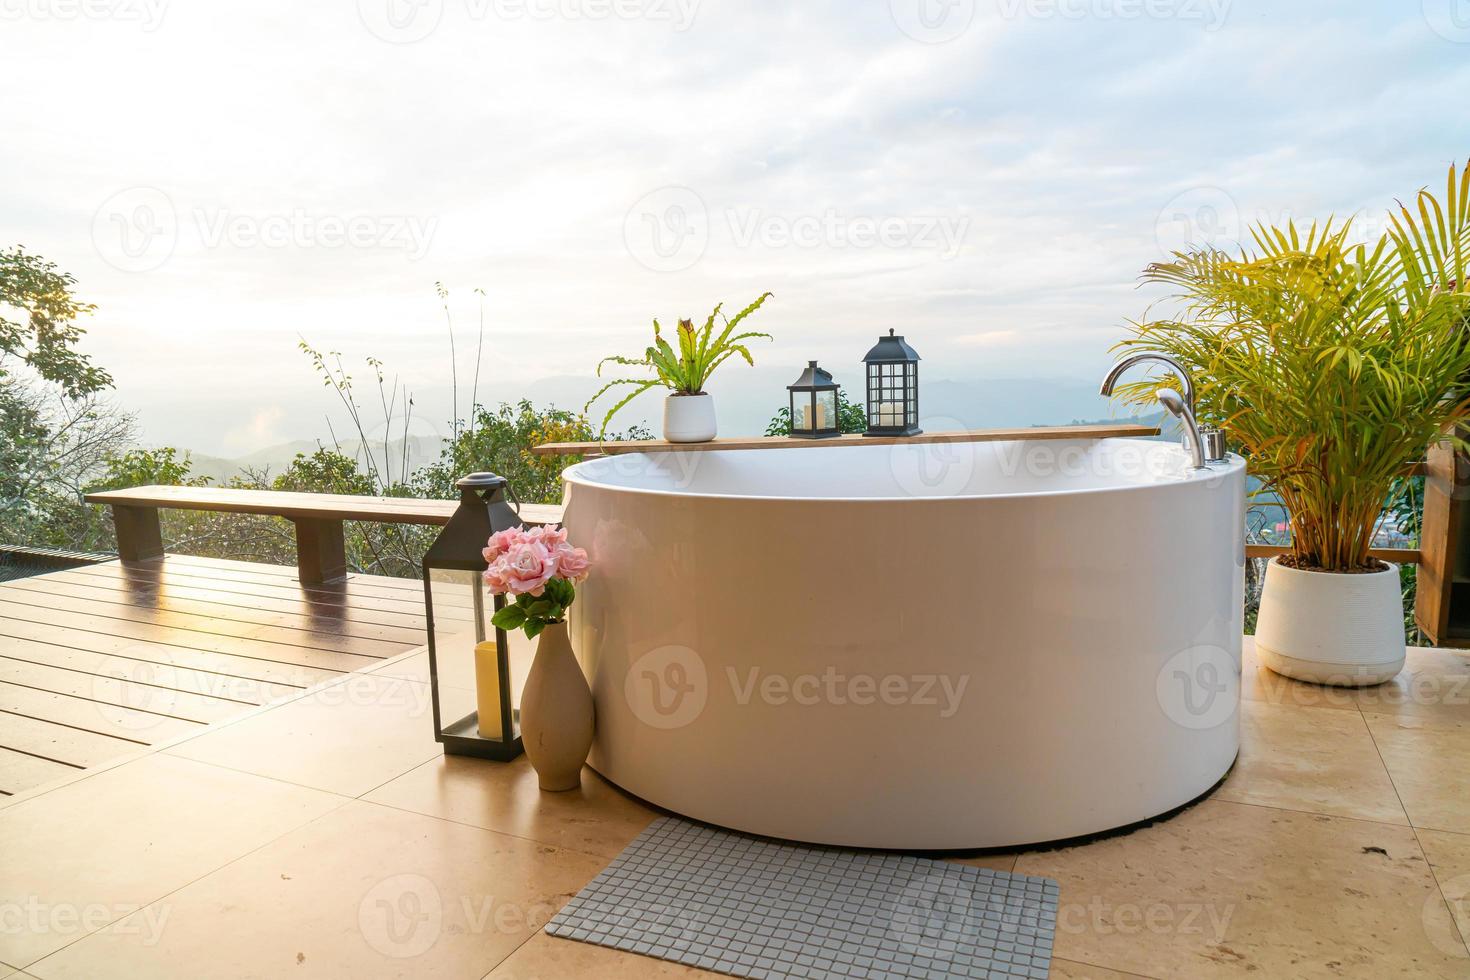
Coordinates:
(689,418)
(1331,627)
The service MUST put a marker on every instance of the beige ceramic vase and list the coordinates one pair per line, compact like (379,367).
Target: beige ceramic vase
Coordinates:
(556,712)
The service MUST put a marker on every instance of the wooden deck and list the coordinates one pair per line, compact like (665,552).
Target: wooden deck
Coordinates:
(102,661)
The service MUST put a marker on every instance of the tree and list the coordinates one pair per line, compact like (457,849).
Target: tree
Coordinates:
(45,335)
(500,440)
(141,467)
(324,471)
(56,431)
(51,446)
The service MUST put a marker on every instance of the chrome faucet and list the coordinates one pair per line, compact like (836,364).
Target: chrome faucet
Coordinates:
(1208,444)
(1169,398)
(1117,370)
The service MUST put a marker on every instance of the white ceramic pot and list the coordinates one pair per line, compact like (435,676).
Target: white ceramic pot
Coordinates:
(689,418)
(556,712)
(1331,627)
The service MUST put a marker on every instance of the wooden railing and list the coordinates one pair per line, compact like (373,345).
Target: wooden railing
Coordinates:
(1446,485)
(1403,556)
(1409,556)
(1437,595)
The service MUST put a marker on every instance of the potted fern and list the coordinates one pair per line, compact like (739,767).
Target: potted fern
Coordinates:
(689,410)
(1332,363)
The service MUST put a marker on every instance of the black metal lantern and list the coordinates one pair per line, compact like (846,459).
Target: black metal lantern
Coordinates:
(453,566)
(814,404)
(893,388)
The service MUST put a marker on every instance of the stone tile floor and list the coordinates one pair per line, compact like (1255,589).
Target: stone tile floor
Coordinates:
(327,836)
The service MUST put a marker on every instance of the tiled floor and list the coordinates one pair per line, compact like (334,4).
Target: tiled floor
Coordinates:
(327,836)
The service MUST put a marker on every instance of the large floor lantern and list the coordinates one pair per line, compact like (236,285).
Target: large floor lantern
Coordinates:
(893,388)
(452,566)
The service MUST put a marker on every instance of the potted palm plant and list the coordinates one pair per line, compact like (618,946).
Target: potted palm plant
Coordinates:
(689,411)
(1332,363)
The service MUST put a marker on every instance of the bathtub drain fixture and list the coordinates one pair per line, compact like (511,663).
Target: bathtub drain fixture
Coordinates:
(755,907)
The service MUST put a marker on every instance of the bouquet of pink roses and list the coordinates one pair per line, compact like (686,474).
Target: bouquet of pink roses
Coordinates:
(537,566)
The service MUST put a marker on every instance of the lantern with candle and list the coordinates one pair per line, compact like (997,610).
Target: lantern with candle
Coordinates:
(814,404)
(453,567)
(893,388)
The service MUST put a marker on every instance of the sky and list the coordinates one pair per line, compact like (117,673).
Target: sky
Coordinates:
(988,177)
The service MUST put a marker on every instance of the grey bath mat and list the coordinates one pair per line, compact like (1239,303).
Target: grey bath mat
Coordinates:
(753,907)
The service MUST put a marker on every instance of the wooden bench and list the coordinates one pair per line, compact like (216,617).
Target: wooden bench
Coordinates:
(321,554)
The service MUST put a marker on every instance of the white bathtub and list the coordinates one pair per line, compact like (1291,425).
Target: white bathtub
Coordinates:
(946,646)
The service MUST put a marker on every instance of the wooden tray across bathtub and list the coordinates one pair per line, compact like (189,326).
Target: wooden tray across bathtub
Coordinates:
(788,442)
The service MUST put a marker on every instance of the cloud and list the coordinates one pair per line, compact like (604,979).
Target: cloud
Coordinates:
(1064,144)
(989,338)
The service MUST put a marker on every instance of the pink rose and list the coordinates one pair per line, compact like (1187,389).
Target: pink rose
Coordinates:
(572,563)
(524,560)
(495,577)
(527,567)
(501,541)
(550,535)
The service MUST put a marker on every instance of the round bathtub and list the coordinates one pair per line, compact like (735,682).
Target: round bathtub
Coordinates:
(916,646)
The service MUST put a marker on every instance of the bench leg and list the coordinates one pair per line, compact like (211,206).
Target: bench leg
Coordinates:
(139,537)
(321,551)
